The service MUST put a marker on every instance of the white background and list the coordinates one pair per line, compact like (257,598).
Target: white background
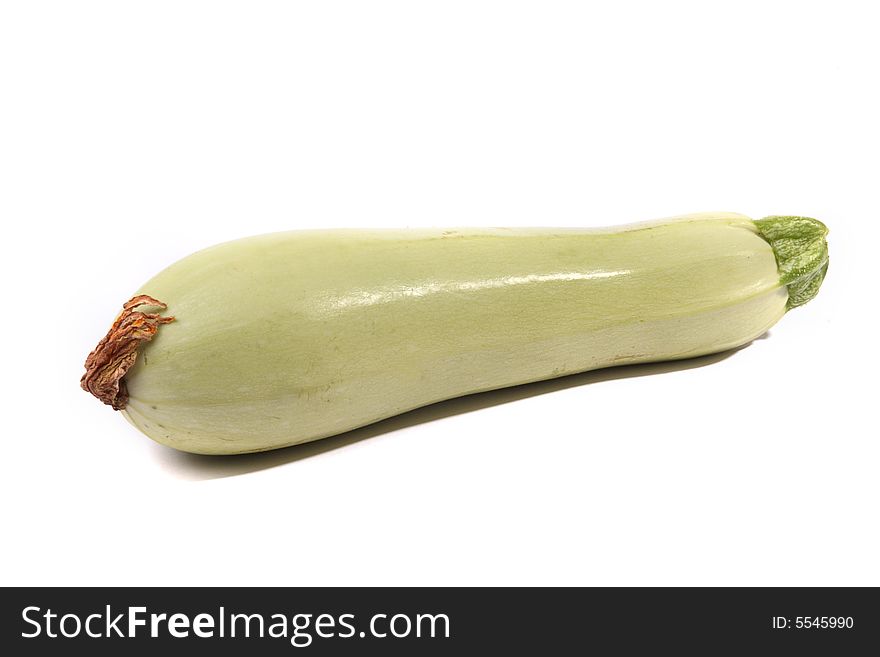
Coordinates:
(132,134)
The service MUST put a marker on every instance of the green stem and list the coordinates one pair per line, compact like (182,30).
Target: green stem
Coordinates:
(801,254)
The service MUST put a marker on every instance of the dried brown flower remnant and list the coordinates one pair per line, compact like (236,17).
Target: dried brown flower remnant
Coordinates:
(117,351)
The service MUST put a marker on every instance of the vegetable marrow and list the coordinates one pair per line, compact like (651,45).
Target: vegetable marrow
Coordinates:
(286,338)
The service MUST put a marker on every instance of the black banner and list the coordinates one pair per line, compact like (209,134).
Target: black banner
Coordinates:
(394,621)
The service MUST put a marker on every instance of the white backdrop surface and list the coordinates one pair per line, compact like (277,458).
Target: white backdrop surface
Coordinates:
(132,134)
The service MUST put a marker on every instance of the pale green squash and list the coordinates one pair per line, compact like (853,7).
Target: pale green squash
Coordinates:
(286,338)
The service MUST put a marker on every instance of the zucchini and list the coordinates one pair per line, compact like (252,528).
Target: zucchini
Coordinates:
(286,338)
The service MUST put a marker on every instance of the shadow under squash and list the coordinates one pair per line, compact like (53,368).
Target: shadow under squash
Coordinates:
(199,466)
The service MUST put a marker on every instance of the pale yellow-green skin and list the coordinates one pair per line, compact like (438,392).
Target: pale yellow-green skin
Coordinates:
(290,337)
